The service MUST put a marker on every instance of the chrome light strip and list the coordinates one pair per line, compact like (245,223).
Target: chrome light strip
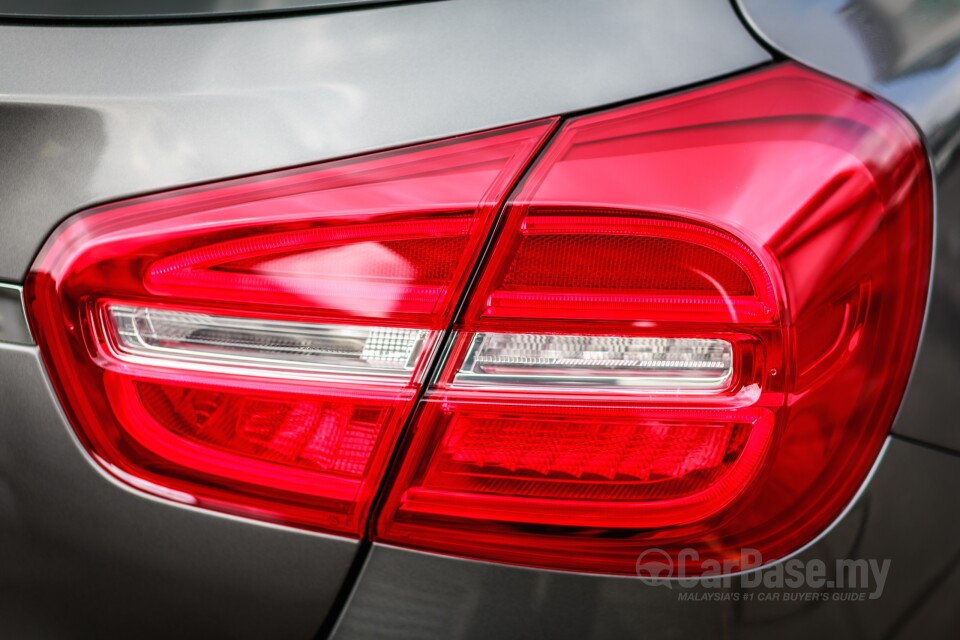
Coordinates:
(653,364)
(245,345)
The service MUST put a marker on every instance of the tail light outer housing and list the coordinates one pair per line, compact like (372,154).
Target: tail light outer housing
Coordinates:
(692,330)
(780,212)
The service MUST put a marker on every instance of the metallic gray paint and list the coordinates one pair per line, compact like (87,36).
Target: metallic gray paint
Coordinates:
(81,555)
(13,322)
(407,594)
(92,114)
(96,114)
(909,53)
(100,113)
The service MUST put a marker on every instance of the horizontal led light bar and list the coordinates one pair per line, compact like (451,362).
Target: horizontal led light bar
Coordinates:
(652,363)
(204,341)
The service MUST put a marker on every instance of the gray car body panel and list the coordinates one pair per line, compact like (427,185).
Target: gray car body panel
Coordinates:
(412,595)
(909,53)
(96,114)
(93,114)
(82,555)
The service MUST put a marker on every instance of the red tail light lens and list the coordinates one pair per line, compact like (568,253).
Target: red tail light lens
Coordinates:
(254,346)
(619,264)
(694,331)
(587,466)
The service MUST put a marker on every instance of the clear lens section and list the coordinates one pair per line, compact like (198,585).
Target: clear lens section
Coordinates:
(654,364)
(198,340)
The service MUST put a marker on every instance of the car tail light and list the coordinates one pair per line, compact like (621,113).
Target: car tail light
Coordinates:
(254,346)
(693,331)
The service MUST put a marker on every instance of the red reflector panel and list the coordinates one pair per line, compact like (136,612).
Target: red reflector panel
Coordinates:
(332,436)
(620,265)
(586,465)
(254,346)
(606,261)
(269,442)
(694,331)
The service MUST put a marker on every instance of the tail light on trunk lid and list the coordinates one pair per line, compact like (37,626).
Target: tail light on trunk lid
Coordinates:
(692,329)
(255,346)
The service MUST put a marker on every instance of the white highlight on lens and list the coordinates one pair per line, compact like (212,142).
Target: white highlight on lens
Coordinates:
(259,347)
(656,365)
